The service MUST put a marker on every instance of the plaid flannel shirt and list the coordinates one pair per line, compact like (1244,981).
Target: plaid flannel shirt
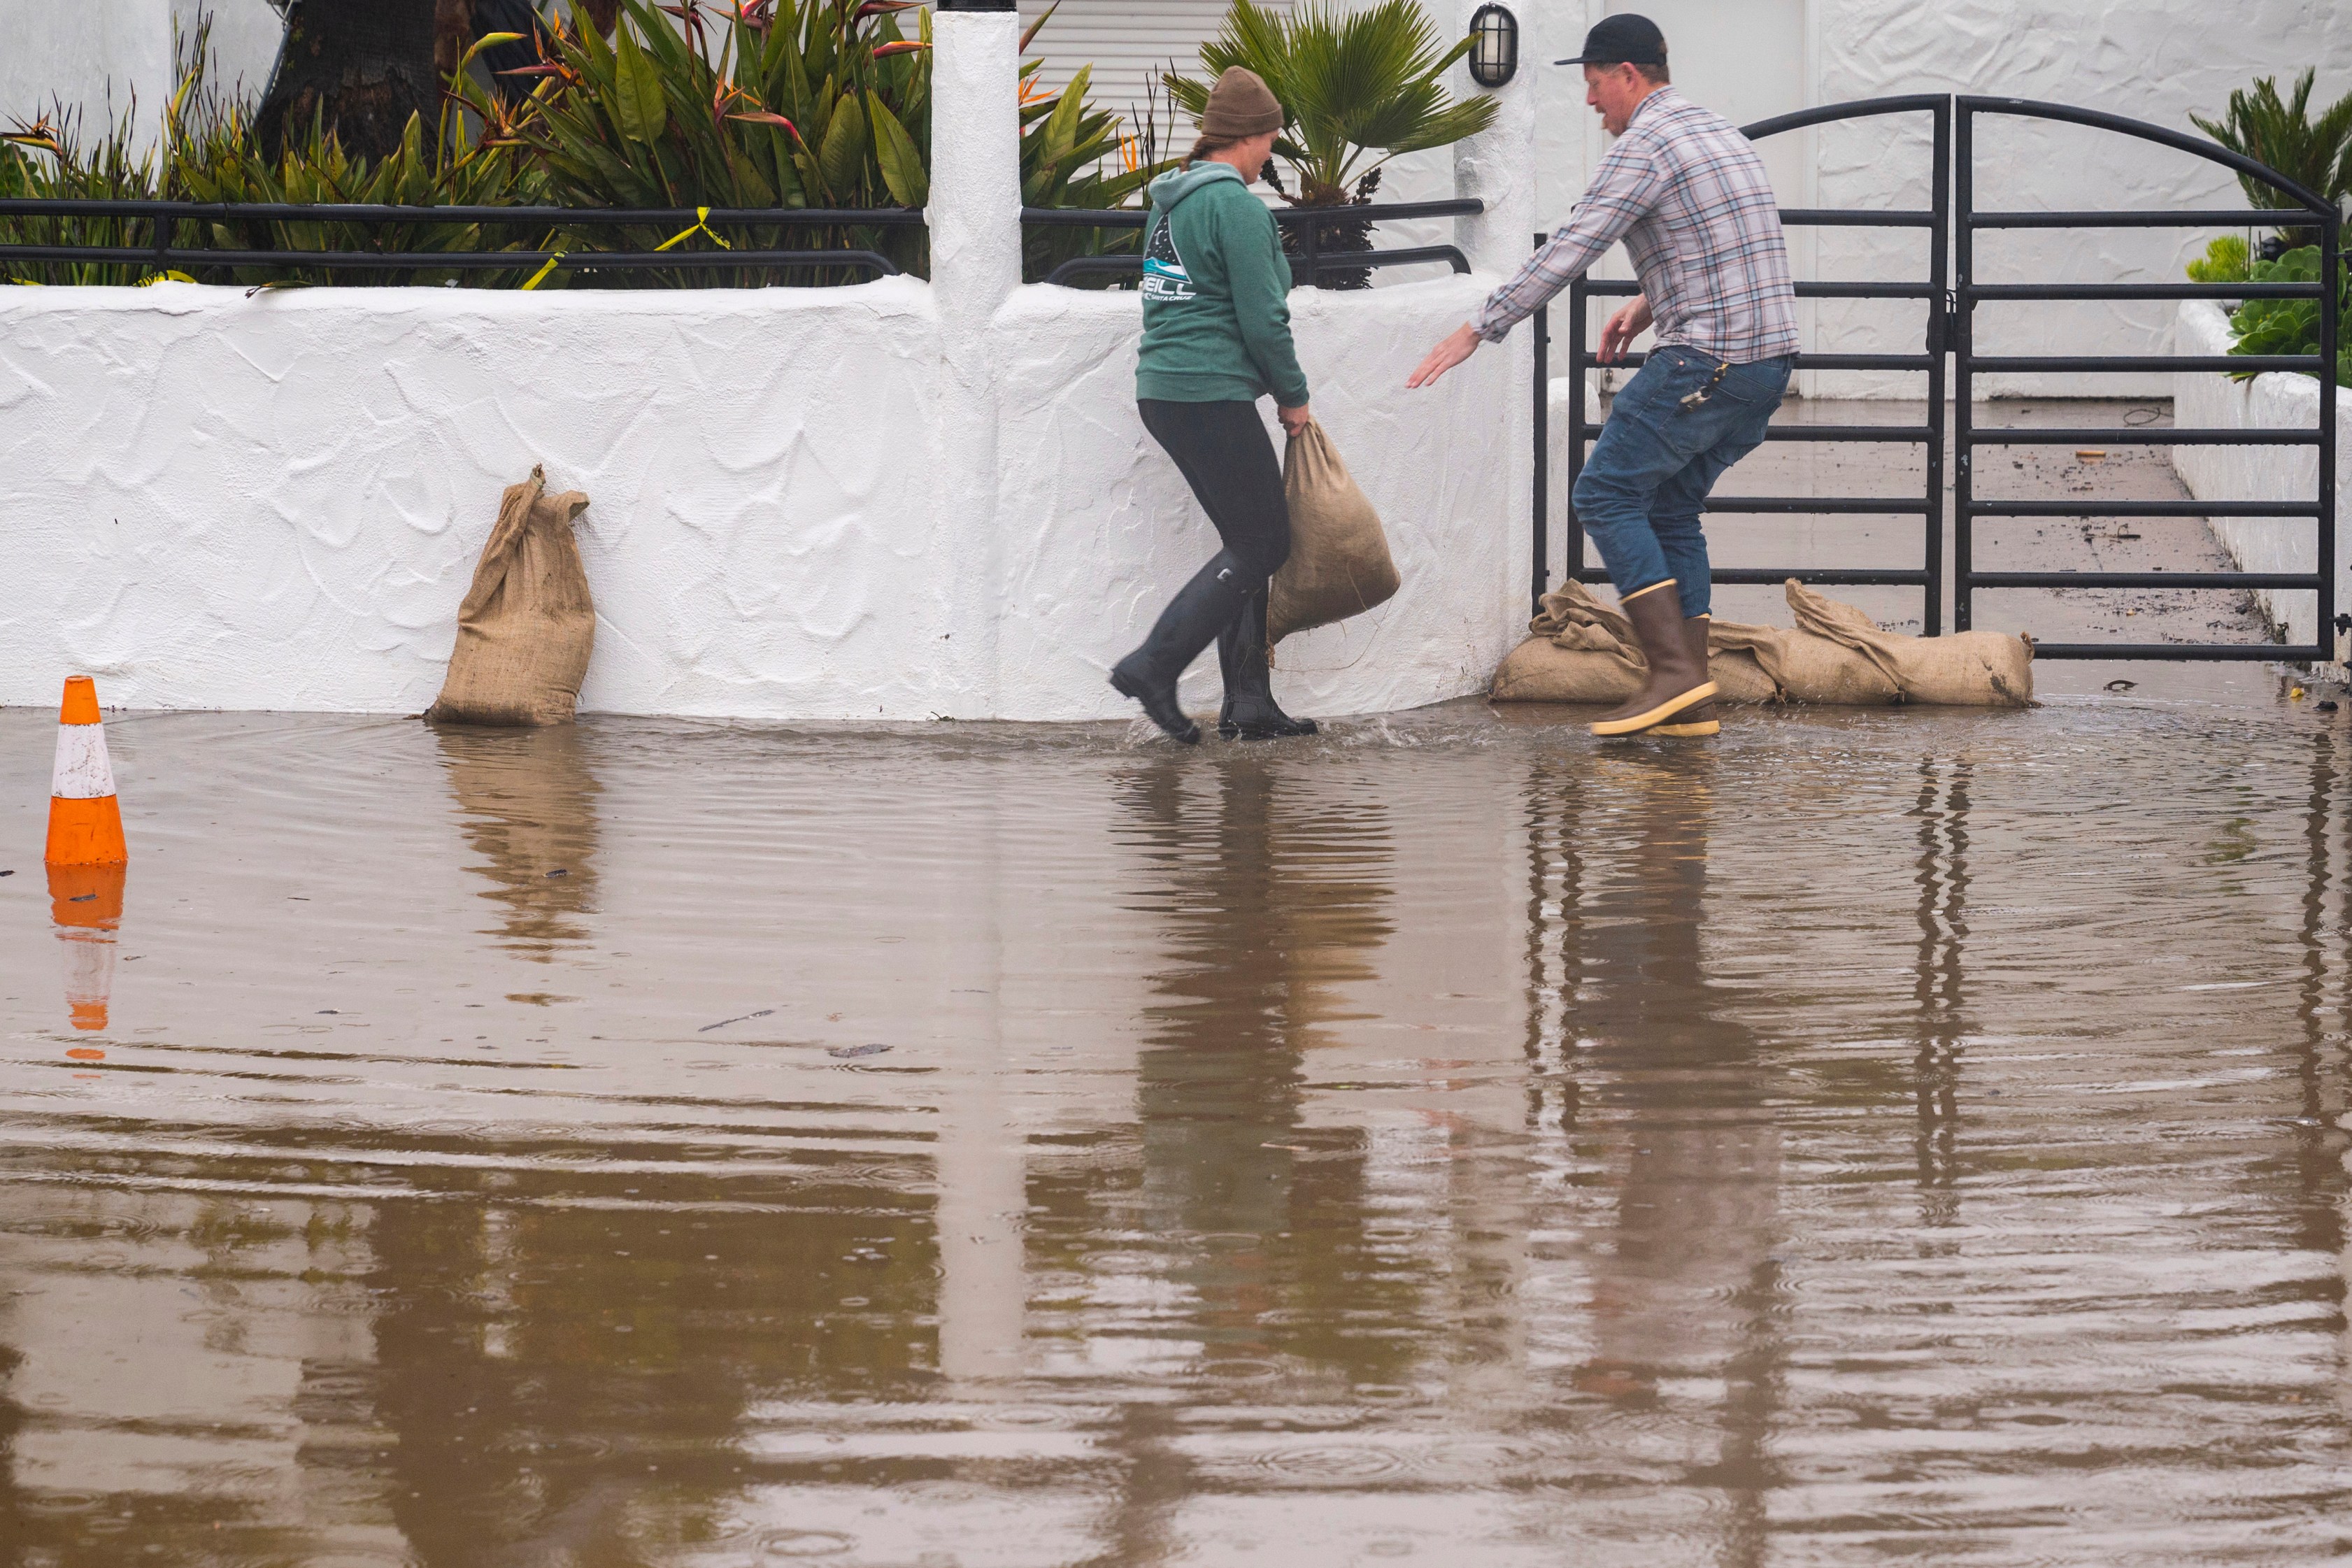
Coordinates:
(1688,194)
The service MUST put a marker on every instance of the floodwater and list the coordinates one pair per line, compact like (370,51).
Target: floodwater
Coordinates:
(1878,1136)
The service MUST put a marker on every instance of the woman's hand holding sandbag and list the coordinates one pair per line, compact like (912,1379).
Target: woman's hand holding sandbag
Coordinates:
(1295,421)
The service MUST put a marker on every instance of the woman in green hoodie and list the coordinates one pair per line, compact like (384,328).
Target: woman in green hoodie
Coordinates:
(1216,338)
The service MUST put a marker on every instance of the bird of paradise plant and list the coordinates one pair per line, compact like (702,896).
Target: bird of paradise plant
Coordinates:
(756,103)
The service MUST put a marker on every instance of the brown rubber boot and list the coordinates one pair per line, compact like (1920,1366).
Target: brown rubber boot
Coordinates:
(1678,682)
(1698,719)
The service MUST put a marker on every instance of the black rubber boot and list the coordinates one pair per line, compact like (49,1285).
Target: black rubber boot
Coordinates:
(1250,713)
(1200,609)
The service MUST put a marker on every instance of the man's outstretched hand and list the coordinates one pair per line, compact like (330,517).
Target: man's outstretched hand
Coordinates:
(1460,345)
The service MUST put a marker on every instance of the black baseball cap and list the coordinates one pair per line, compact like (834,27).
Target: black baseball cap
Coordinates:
(1623,39)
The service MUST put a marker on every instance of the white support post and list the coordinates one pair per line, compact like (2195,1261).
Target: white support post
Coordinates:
(1499,165)
(976,226)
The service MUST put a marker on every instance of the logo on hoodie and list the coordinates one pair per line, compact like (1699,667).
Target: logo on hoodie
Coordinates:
(1164,278)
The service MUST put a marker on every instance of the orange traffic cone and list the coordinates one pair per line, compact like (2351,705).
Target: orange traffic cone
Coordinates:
(85,820)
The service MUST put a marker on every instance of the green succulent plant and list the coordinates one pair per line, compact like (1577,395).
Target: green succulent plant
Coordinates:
(2291,326)
(2225,261)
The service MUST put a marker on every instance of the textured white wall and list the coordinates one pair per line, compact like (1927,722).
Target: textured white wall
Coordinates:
(277,502)
(2275,401)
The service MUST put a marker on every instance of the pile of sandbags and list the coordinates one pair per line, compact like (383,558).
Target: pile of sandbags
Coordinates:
(1581,650)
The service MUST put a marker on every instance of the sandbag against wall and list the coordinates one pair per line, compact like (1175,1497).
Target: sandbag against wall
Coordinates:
(528,624)
(1581,650)
(1963,669)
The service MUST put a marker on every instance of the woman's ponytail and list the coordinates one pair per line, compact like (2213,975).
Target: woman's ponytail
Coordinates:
(1207,147)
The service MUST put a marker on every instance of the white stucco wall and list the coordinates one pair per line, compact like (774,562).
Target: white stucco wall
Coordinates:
(277,502)
(2275,401)
(900,500)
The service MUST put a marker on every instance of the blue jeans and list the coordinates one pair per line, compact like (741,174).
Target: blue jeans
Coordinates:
(1640,492)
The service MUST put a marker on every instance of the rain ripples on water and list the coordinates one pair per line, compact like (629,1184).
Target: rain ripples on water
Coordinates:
(1878,1135)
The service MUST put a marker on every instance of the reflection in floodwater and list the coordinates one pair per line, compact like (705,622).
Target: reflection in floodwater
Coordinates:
(1942,808)
(1687,1292)
(85,906)
(527,802)
(1447,1140)
(1271,895)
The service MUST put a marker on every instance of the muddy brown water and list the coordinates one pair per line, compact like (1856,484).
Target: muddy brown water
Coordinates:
(1877,1136)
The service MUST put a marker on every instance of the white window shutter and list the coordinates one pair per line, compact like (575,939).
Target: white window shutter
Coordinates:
(1129,43)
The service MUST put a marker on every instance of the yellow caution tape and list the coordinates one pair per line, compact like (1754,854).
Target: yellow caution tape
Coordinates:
(701,224)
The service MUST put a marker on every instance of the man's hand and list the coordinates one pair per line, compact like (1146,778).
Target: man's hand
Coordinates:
(1631,320)
(1460,345)
(1294,420)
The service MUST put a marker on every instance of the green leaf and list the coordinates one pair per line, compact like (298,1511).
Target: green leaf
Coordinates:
(637,103)
(901,160)
(843,157)
(1061,128)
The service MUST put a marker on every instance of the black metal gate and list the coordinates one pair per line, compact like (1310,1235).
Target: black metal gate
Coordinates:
(1946,356)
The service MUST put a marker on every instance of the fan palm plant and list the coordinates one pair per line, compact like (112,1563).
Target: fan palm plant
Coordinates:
(1357,89)
(2315,153)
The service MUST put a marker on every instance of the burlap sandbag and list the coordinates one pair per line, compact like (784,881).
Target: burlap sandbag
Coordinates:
(1965,669)
(1581,650)
(1339,563)
(1542,671)
(526,625)
(1804,667)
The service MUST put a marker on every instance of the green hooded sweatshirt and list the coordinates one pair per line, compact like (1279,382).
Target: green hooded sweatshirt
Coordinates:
(1216,295)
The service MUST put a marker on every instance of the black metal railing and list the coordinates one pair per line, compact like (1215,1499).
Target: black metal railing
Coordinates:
(1968,293)
(165,252)
(1952,223)
(1928,505)
(1307,224)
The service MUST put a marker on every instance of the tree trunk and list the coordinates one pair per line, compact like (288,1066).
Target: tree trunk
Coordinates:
(362,67)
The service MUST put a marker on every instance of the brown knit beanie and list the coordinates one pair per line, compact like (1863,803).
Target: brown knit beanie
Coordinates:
(1240,105)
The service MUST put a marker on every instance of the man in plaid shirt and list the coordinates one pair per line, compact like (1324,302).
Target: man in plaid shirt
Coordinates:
(1689,197)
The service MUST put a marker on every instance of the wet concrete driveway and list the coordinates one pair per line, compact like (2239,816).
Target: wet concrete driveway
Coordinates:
(1880,1136)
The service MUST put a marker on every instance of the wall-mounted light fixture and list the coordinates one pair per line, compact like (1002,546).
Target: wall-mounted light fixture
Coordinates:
(1494,46)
